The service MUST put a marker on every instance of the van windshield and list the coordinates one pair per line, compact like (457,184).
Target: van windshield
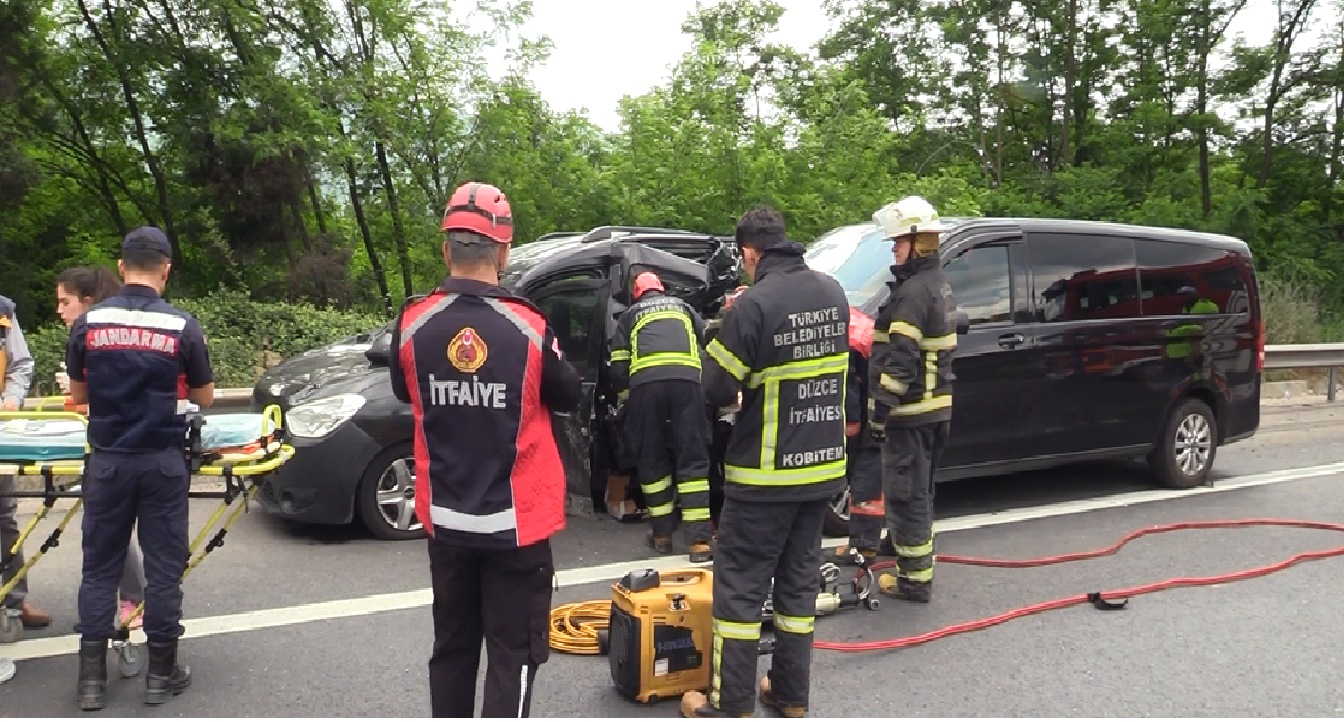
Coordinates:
(859,257)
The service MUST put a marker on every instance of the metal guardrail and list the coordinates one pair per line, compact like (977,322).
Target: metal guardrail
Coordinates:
(1285,356)
(1308,355)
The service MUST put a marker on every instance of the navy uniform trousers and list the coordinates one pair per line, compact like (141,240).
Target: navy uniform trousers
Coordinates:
(121,490)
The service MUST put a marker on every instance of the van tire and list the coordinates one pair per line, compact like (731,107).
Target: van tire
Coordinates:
(1189,437)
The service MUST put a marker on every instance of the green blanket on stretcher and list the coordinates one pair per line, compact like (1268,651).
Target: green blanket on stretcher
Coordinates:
(39,440)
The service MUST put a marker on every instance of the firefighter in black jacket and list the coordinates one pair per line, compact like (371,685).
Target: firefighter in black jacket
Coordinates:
(863,468)
(911,378)
(655,362)
(784,345)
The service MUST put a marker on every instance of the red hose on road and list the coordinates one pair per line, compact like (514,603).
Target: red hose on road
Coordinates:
(903,642)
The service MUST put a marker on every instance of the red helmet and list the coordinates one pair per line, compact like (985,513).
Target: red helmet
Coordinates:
(646,282)
(482,209)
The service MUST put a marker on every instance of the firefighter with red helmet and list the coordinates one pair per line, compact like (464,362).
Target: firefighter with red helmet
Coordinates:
(655,370)
(482,371)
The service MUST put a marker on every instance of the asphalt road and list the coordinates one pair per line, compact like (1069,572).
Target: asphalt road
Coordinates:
(286,620)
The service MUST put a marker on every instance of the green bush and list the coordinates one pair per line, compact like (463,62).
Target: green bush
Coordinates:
(239,331)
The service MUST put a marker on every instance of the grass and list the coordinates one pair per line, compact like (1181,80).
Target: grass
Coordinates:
(1294,314)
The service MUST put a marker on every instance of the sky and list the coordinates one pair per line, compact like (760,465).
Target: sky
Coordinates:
(606,49)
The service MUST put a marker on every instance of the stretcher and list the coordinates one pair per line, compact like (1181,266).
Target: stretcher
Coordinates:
(241,448)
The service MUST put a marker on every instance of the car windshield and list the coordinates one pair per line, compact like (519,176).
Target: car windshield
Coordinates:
(859,257)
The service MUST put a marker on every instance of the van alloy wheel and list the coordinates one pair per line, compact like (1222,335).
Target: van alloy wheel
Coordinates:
(1194,441)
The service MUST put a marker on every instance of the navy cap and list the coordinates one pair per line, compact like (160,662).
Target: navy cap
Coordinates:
(147,238)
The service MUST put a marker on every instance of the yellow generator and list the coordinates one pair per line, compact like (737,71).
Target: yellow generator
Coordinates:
(661,633)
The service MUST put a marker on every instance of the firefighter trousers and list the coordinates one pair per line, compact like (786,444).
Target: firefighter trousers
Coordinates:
(667,429)
(866,508)
(501,596)
(758,541)
(910,457)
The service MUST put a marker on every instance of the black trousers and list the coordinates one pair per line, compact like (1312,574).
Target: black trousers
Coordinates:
(669,433)
(866,508)
(119,491)
(759,541)
(502,597)
(910,457)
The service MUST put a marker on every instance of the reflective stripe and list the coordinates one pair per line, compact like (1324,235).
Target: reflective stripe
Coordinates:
(716,681)
(442,516)
(620,355)
(690,357)
(918,575)
(661,509)
(730,363)
(920,407)
(906,329)
(939,343)
(785,477)
(695,514)
(930,374)
(653,487)
(915,551)
(692,486)
(881,337)
(424,318)
(136,317)
(794,625)
(623,395)
(793,370)
(522,324)
(748,631)
(893,385)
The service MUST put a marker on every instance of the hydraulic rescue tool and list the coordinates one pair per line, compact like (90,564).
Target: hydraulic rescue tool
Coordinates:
(658,628)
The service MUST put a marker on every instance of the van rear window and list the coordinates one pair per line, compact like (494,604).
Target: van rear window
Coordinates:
(1183,278)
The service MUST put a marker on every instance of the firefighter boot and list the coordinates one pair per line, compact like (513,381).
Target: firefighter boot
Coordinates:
(768,699)
(92,674)
(700,552)
(660,544)
(165,678)
(902,588)
(695,704)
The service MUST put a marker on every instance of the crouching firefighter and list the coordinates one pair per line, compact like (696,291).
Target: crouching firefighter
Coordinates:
(482,372)
(784,345)
(655,369)
(911,384)
(863,467)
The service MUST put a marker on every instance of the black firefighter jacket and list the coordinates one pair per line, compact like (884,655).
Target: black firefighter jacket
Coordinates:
(784,344)
(914,339)
(657,339)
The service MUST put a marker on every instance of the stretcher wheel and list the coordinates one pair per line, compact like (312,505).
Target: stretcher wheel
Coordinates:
(872,604)
(11,627)
(130,661)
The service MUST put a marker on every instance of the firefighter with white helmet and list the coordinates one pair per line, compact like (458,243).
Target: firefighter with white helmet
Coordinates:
(910,382)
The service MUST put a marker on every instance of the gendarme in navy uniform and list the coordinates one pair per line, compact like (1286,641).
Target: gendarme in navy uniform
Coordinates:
(126,358)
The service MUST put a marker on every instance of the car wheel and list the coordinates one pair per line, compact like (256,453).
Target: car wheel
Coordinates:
(1184,456)
(837,516)
(386,496)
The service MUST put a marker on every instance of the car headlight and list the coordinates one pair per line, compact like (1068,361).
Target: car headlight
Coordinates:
(316,419)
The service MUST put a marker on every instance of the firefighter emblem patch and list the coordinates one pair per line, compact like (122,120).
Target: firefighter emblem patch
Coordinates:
(467,351)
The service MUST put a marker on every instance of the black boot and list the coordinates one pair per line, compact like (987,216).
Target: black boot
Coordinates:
(92,674)
(164,678)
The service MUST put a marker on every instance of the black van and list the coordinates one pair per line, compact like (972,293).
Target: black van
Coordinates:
(1083,340)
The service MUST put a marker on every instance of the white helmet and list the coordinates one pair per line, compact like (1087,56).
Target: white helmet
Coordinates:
(911,214)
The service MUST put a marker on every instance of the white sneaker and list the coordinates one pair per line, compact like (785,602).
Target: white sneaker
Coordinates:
(7,670)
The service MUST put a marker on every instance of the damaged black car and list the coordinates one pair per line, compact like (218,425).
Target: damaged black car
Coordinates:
(354,440)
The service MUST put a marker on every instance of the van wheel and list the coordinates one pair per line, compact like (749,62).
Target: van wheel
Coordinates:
(837,515)
(1184,456)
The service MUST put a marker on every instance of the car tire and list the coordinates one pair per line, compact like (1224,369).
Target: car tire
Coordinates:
(387,492)
(837,516)
(1185,453)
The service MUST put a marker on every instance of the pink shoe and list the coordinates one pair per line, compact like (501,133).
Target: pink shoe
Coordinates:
(129,619)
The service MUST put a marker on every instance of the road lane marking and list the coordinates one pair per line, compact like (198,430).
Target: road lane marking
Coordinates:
(579,576)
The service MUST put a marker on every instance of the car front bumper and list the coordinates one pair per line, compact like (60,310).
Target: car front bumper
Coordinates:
(318,484)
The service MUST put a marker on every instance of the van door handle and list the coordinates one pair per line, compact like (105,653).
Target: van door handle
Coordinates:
(1011,340)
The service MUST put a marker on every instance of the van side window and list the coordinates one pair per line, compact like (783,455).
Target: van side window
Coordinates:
(1181,278)
(1082,278)
(980,281)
